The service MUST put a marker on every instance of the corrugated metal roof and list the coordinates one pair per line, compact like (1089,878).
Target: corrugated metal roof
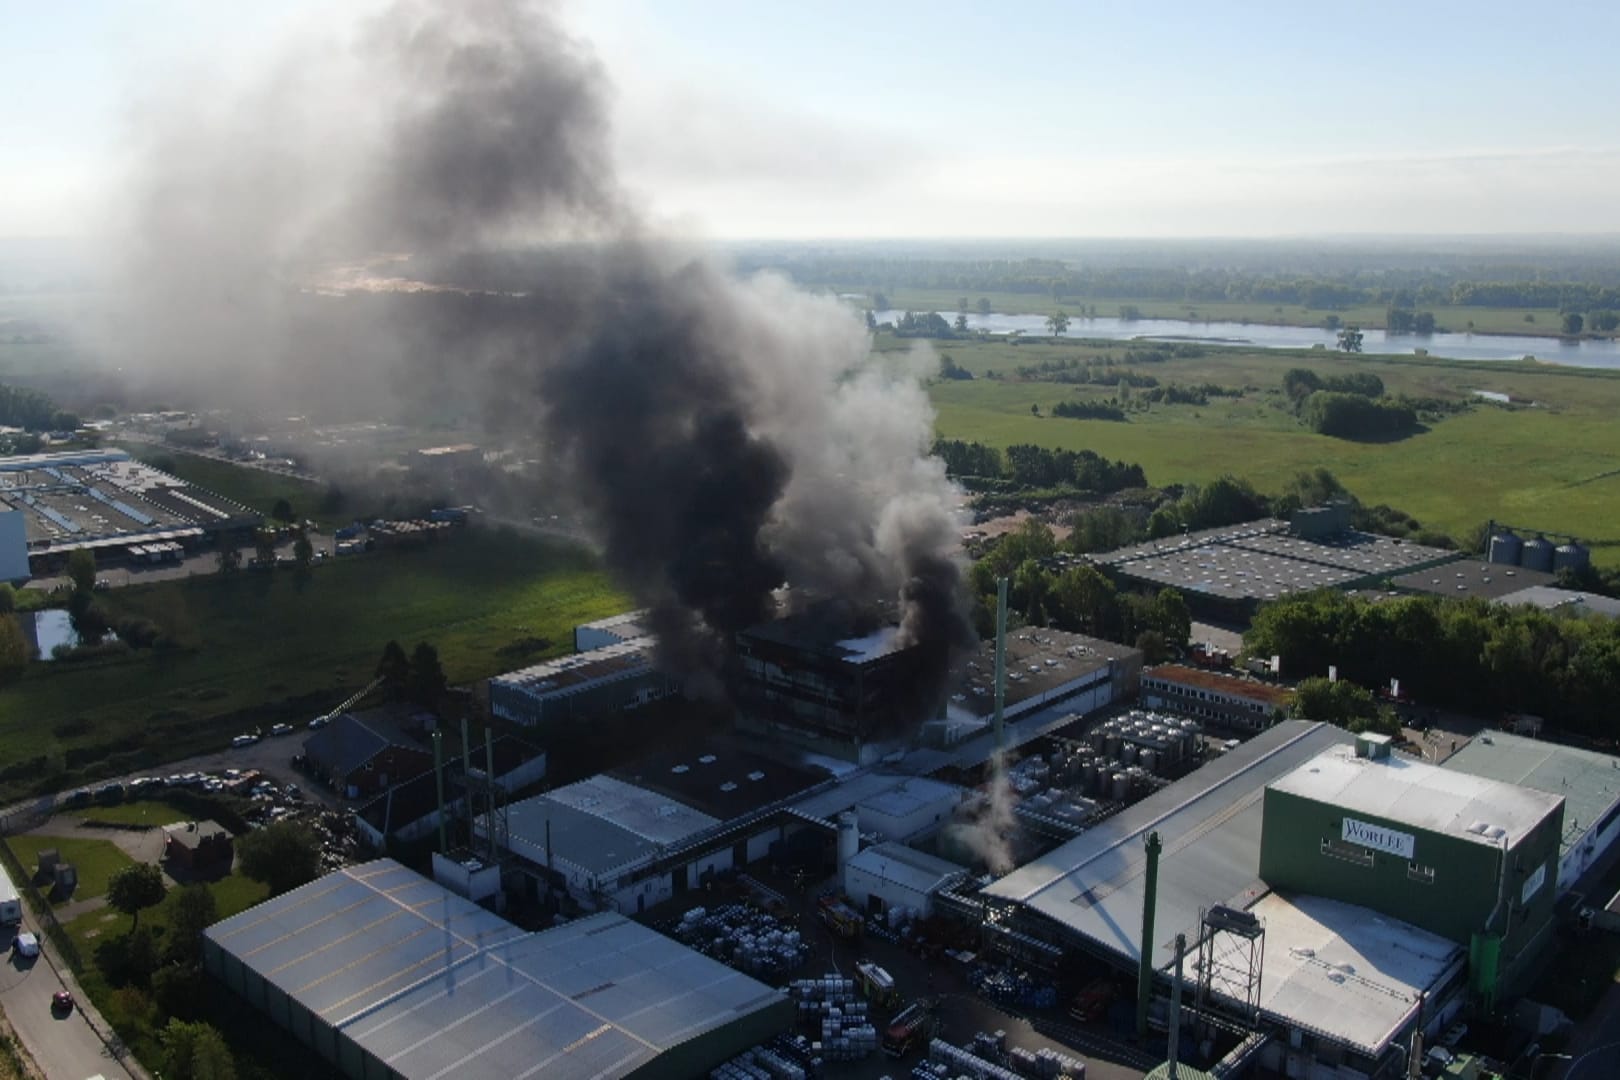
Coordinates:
(593,844)
(908,867)
(1422,796)
(1209,822)
(1588,782)
(435,986)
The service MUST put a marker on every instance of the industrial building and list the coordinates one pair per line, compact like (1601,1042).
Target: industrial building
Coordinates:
(409,810)
(1471,577)
(1587,781)
(361,754)
(1471,859)
(13,545)
(587,685)
(1045,668)
(386,974)
(813,680)
(1569,601)
(1254,856)
(891,875)
(657,828)
(913,806)
(1227,571)
(104,501)
(1230,701)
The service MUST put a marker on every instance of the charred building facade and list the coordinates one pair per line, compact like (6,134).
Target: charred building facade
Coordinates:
(814,681)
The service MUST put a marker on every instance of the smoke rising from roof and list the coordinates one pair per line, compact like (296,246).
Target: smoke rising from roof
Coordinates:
(724,436)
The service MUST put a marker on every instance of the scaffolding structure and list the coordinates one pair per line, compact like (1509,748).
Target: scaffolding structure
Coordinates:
(1231,951)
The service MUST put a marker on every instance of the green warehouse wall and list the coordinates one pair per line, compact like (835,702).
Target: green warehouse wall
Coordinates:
(1301,851)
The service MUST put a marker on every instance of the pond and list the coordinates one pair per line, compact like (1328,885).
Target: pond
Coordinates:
(50,629)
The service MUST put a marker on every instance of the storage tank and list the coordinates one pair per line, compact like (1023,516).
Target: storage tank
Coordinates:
(1571,556)
(1121,787)
(1537,554)
(1090,774)
(1505,548)
(1111,747)
(849,842)
(1149,760)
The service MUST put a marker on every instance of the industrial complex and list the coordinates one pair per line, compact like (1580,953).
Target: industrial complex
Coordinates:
(104,501)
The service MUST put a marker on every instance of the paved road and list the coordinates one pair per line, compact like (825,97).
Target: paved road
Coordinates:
(63,1045)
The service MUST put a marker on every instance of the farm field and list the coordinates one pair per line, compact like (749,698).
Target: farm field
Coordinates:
(256,648)
(1554,465)
(1367,316)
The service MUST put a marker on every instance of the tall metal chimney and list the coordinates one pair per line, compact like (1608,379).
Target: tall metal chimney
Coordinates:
(438,780)
(489,794)
(1001,655)
(1175,1009)
(1144,971)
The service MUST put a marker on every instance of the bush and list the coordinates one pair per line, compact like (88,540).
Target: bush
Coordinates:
(1351,416)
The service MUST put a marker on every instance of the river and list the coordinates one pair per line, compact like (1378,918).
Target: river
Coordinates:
(1451,346)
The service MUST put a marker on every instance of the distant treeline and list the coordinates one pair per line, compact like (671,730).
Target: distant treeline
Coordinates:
(1401,289)
(1028,466)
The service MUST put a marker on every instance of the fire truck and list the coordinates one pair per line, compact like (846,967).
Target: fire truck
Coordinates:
(877,984)
(913,1026)
(839,917)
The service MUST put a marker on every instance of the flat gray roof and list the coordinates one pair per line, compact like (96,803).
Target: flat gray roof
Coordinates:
(1588,782)
(1209,822)
(1551,598)
(1472,577)
(435,986)
(1423,796)
(593,844)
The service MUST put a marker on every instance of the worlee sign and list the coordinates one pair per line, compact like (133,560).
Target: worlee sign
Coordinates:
(1379,838)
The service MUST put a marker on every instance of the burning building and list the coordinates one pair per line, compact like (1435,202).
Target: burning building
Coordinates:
(823,683)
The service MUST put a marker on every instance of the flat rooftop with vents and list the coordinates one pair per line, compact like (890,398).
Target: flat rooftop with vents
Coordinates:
(385,973)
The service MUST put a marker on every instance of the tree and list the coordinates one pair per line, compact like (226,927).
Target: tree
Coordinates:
(1330,322)
(1152,644)
(264,547)
(283,856)
(1035,409)
(81,568)
(394,669)
(14,650)
(196,1051)
(1573,323)
(426,682)
(303,550)
(961,325)
(1338,702)
(871,320)
(193,911)
(1057,323)
(229,558)
(962,305)
(282,511)
(1129,313)
(8,598)
(984,305)
(136,888)
(880,301)
(1162,523)
(1350,339)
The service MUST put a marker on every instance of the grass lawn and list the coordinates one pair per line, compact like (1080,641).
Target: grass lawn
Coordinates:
(490,601)
(96,860)
(1555,466)
(140,812)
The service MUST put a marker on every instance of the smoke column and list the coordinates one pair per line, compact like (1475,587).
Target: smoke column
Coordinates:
(724,436)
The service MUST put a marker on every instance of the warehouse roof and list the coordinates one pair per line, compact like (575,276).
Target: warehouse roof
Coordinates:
(594,844)
(909,797)
(1209,822)
(1421,796)
(567,674)
(907,867)
(1572,600)
(1039,661)
(720,777)
(1470,577)
(1588,782)
(653,817)
(433,985)
(625,626)
(1233,685)
(1346,971)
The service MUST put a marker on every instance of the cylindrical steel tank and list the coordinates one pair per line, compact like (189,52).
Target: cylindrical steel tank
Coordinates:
(1128,754)
(1505,548)
(849,842)
(1571,556)
(1122,787)
(1537,554)
(1111,747)
(1149,760)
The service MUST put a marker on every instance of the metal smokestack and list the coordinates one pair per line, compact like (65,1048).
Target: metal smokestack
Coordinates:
(1175,1009)
(438,780)
(489,792)
(1144,971)
(1001,655)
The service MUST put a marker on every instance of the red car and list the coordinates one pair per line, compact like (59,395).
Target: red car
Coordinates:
(62,1001)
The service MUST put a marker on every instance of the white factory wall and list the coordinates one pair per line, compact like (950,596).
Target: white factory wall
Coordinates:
(1589,849)
(714,860)
(13,546)
(636,896)
(861,884)
(874,819)
(760,846)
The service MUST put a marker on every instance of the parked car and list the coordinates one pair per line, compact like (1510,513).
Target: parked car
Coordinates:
(25,944)
(244,740)
(110,793)
(62,1002)
(81,797)
(319,722)
(281,729)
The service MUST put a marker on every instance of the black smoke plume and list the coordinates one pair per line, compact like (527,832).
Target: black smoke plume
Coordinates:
(421,217)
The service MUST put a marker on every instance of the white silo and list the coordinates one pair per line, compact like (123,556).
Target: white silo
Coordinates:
(849,843)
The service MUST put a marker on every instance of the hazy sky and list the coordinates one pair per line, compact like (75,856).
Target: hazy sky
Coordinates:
(782,118)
